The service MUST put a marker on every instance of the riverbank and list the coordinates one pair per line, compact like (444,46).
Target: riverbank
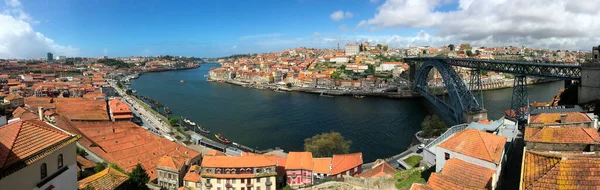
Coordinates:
(393,95)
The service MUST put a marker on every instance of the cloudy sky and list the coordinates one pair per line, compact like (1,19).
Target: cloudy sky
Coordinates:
(92,28)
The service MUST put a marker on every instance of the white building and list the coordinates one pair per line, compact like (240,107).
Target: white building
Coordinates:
(351,49)
(340,59)
(61,57)
(388,66)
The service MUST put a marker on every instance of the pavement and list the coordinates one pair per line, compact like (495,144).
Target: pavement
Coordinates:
(392,160)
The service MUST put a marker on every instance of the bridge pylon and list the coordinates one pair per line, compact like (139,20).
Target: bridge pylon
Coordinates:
(520,100)
(476,86)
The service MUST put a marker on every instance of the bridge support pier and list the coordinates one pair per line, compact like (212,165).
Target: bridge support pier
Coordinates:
(475,86)
(474,115)
(520,99)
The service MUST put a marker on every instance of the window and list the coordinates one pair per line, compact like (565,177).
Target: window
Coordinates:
(43,171)
(208,180)
(243,188)
(242,180)
(218,181)
(218,188)
(60,161)
(446,155)
(169,176)
(257,180)
(257,188)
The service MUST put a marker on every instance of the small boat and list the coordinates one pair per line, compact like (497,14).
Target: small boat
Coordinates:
(134,91)
(167,110)
(182,81)
(359,97)
(127,83)
(325,95)
(221,138)
(204,130)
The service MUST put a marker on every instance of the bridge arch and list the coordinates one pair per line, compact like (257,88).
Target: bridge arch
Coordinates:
(461,98)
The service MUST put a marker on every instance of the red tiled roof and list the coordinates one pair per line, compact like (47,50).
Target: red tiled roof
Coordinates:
(383,169)
(418,186)
(82,109)
(117,106)
(18,112)
(467,174)
(545,170)
(85,163)
(238,161)
(193,174)
(321,165)
(477,144)
(439,181)
(552,134)
(169,162)
(126,144)
(107,179)
(344,162)
(553,118)
(299,161)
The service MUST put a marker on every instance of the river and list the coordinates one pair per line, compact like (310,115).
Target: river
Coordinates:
(377,127)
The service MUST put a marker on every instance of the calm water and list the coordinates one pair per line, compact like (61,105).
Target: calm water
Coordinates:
(378,127)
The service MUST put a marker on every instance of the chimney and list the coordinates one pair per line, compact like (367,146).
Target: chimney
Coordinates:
(563,118)
(41,113)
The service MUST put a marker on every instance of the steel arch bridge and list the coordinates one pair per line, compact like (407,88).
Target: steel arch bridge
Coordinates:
(461,96)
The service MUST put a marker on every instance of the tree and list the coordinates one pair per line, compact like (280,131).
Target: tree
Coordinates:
(327,144)
(128,92)
(343,67)
(336,74)
(432,126)
(119,84)
(289,85)
(370,69)
(424,51)
(138,178)
(100,166)
(469,53)
(173,121)
(465,46)
(385,48)
(81,152)
(477,52)
(451,47)
(379,46)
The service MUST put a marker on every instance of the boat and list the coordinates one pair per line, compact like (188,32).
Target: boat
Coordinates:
(167,110)
(204,130)
(127,83)
(182,81)
(222,139)
(134,91)
(325,95)
(359,97)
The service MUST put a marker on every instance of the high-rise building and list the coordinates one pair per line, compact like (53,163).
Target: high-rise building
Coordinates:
(352,49)
(50,56)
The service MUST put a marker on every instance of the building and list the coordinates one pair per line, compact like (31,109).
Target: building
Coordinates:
(459,174)
(192,179)
(346,164)
(381,169)
(36,155)
(119,111)
(299,169)
(556,138)
(171,171)
(560,170)
(61,57)
(50,56)
(474,147)
(253,172)
(351,49)
(14,100)
(107,179)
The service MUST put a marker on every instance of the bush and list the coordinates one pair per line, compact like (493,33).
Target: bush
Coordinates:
(327,144)
(433,126)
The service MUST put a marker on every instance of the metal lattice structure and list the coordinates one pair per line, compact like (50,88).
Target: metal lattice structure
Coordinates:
(520,100)
(475,85)
(461,98)
(543,70)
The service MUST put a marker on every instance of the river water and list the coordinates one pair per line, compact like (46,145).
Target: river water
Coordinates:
(377,127)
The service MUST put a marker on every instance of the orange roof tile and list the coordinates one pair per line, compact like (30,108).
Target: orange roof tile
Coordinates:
(238,161)
(117,106)
(467,174)
(439,181)
(321,165)
(382,169)
(418,186)
(85,163)
(193,174)
(552,134)
(545,170)
(213,152)
(22,139)
(299,161)
(344,162)
(18,111)
(82,109)
(169,162)
(107,179)
(553,118)
(477,144)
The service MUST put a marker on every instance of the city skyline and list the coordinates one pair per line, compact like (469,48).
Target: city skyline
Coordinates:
(93,29)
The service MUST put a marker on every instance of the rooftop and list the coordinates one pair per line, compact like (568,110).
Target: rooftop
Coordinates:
(552,134)
(299,161)
(382,169)
(107,179)
(554,118)
(343,162)
(546,170)
(477,144)
(238,161)
(193,174)
(321,165)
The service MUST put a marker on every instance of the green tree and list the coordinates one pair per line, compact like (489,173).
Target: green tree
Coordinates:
(343,67)
(138,178)
(128,92)
(469,53)
(432,126)
(465,47)
(424,51)
(370,69)
(477,52)
(336,74)
(451,47)
(81,152)
(100,166)
(119,84)
(385,48)
(289,85)
(327,144)
(173,121)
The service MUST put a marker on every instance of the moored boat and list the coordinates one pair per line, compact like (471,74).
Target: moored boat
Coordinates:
(325,95)
(222,139)
(202,129)
(182,81)
(359,97)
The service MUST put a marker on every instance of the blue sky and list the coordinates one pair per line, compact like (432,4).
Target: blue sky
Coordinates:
(217,28)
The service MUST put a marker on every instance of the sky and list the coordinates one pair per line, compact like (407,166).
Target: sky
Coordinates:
(209,28)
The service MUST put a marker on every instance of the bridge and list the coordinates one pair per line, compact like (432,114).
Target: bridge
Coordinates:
(464,104)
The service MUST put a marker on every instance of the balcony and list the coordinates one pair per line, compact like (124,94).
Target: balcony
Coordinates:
(228,185)
(248,184)
(268,183)
(208,185)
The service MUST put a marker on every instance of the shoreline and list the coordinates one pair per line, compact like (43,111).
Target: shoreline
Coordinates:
(330,92)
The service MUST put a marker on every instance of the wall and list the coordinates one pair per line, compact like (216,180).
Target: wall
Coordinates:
(304,174)
(28,177)
(237,184)
(590,83)
(441,162)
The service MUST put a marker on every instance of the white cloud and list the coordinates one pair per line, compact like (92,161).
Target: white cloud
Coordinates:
(553,24)
(340,15)
(19,40)
(344,28)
